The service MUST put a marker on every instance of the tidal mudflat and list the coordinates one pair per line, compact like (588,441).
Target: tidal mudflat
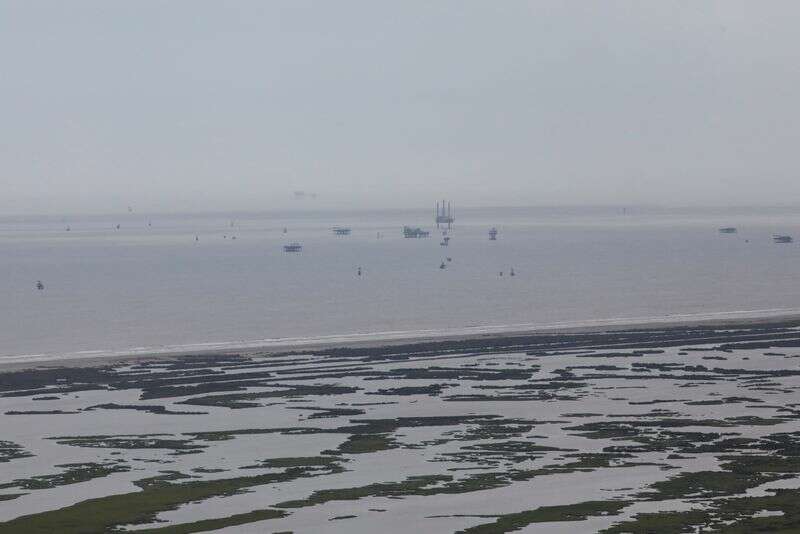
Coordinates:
(658,430)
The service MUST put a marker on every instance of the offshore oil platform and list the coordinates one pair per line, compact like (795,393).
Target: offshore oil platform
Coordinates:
(444,215)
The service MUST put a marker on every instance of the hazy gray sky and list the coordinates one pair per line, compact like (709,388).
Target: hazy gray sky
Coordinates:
(199,105)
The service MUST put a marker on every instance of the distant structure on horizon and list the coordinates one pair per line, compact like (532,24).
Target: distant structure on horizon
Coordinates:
(414,233)
(444,215)
(782,238)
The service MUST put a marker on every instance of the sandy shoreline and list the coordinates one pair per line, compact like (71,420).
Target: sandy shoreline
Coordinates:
(718,320)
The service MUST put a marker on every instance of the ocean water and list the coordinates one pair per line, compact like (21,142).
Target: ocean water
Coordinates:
(154,288)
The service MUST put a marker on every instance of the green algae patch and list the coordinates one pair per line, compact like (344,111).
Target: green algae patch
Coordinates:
(661,522)
(366,443)
(153,441)
(410,486)
(298,461)
(12,451)
(738,515)
(159,494)
(706,484)
(216,524)
(71,474)
(546,514)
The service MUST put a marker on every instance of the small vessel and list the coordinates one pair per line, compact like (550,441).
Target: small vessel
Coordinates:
(445,241)
(341,230)
(118,227)
(728,230)
(39,285)
(68,229)
(442,266)
(493,234)
(293,247)
(782,238)
(359,271)
(511,273)
(414,233)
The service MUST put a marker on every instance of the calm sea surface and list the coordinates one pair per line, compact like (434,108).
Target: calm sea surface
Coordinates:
(157,287)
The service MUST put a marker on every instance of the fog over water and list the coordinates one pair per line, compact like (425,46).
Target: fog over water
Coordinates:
(183,281)
(195,105)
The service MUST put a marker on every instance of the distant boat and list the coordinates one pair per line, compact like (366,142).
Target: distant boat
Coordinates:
(293,247)
(511,273)
(442,266)
(341,230)
(493,234)
(445,241)
(728,230)
(414,233)
(782,238)
(39,285)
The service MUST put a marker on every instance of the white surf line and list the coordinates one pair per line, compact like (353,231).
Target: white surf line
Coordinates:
(393,335)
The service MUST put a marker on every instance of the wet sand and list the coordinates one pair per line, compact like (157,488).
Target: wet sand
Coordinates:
(442,340)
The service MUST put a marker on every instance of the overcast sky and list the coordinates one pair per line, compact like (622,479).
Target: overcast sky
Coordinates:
(199,105)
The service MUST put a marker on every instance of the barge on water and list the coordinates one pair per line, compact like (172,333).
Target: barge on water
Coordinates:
(782,238)
(341,230)
(414,233)
(293,247)
(728,230)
